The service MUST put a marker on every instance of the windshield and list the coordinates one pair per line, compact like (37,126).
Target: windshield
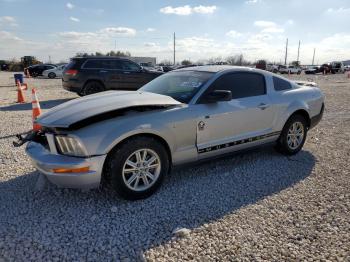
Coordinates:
(182,85)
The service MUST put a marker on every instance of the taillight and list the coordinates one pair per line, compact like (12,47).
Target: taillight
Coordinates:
(71,72)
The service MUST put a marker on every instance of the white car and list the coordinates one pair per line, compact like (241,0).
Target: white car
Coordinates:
(290,69)
(54,72)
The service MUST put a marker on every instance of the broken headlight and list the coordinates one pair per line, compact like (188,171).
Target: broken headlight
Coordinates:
(70,146)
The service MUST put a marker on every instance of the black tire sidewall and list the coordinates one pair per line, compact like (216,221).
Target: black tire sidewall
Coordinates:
(118,157)
(282,142)
(51,75)
(88,84)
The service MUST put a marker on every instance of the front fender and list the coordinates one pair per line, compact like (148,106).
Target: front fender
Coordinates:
(101,137)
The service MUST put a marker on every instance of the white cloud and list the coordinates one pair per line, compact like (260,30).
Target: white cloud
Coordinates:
(340,10)
(7,19)
(77,35)
(126,31)
(204,9)
(181,10)
(150,29)
(150,44)
(188,10)
(262,23)
(74,19)
(269,26)
(70,6)
(7,36)
(249,2)
(290,22)
(233,34)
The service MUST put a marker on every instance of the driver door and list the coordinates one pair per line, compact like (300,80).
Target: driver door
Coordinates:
(224,125)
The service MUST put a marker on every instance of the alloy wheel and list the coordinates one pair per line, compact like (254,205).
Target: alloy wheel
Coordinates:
(295,135)
(141,169)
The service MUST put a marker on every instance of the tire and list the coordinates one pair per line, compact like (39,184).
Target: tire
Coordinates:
(289,143)
(92,87)
(118,168)
(52,75)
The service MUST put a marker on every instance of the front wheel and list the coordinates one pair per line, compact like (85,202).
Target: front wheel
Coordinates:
(52,75)
(293,135)
(137,167)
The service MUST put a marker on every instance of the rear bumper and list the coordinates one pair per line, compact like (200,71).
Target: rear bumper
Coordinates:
(71,86)
(45,162)
(316,119)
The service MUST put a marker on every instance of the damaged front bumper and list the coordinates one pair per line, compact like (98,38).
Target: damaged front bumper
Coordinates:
(47,162)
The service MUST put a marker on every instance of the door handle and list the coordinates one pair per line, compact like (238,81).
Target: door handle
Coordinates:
(263,106)
(126,72)
(102,71)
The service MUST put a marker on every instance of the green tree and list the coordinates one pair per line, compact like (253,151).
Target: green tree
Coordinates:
(186,62)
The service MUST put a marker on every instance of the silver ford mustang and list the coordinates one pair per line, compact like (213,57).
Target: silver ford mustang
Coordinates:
(133,138)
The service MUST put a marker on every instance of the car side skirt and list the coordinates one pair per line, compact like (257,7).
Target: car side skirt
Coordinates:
(237,142)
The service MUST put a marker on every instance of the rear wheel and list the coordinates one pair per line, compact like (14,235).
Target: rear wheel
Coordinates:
(137,167)
(293,135)
(92,87)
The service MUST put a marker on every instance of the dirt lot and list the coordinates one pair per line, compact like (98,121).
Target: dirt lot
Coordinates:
(258,205)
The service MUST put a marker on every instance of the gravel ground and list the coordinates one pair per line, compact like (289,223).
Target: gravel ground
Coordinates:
(257,205)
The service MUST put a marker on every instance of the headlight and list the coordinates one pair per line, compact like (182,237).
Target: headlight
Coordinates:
(68,145)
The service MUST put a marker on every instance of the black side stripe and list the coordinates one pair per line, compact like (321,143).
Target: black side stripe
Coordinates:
(235,143)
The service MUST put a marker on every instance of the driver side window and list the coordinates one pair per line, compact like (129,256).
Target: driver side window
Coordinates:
(242,84)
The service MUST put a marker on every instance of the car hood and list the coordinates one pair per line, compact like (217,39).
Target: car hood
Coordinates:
(76,110)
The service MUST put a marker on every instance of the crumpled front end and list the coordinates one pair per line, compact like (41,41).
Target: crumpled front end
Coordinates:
(64,170)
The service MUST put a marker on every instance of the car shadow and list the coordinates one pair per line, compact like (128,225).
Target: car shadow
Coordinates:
(112,228)
(47,104)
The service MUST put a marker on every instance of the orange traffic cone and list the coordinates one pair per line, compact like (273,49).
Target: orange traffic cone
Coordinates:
(20,95)
(36,110)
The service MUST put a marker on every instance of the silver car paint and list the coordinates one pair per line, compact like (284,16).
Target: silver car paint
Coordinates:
(78,109)
(178,127)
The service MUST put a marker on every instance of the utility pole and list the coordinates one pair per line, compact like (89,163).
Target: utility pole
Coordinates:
(298,51)
(115,45)
(313,57)
(174,48)
(285,57)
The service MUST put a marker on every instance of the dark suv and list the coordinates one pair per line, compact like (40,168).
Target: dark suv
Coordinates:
(89,75)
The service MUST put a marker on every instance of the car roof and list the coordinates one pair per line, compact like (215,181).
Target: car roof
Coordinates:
(219,68)
(102,57)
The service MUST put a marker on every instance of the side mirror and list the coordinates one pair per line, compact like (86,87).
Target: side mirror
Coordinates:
(217,96)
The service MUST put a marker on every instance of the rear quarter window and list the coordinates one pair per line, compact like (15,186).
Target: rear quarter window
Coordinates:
(92,64)
(280,84)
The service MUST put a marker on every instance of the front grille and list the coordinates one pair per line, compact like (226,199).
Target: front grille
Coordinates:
(40,138)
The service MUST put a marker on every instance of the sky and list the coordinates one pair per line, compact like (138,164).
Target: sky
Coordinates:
(258,29)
